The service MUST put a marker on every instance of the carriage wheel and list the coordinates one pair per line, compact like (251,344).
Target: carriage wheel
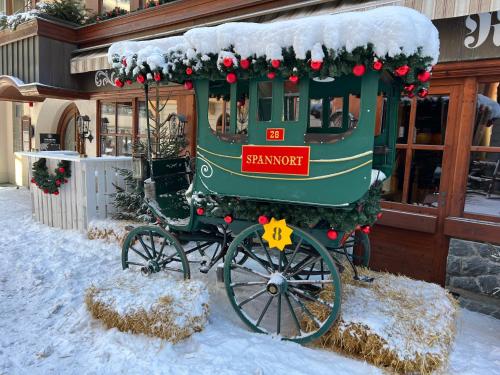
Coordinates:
(294,293)
(358,248)
(152,249)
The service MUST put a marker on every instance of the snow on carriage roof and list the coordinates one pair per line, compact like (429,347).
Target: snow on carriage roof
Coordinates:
(391,30)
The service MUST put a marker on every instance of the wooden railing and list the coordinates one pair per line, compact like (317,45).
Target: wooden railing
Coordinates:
(88,194)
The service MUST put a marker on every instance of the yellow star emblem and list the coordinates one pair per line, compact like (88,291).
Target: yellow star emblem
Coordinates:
(277,233)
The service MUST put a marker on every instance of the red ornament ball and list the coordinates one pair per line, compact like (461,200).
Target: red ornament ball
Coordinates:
(129,82)
(263,220)
(141,79)
(402,70)
(118,83)
(124,62)
(358,70)
(227,62)
(316,65)
(56,192)
(61,170)
(332,234)
(424,76)
(293,79)
(65,181)
(188,85)
(200,211)
(231,77)
(377,65)
(271,75)
(245,63)
(58,182)
(411,95)
(33,180)
(409,87)
(157,77)
(275,64)
(228,219)
(379,215)
(423,93)
(46,191)
(189,71)
(366,229)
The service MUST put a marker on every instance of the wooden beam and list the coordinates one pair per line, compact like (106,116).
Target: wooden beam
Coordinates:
(408,220)
(473,230)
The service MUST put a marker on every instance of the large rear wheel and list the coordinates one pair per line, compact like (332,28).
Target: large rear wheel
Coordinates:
(153,249)
(294,293)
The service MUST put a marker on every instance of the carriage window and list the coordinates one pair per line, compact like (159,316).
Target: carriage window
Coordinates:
(265,101)
(315,113)
(219,112)
(242,107)
(335,118)
(354,105)
(291,101)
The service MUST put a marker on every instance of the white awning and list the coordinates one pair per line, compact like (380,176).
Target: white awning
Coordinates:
(90,62)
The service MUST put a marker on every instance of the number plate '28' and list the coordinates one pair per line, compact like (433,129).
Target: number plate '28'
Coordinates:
(275,134)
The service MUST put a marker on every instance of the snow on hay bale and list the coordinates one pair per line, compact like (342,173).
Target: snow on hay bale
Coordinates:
(157,305)
(395,322)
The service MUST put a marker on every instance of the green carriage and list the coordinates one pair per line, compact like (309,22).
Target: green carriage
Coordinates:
(292,146)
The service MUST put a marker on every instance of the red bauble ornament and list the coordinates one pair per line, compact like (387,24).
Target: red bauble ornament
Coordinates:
(275,64)
(228,219)
(409,87)
(316,65)
(366,229)
(263,220)
(140,78)
(118,83)
(424,76)
(402,70)
(56,192)
(33,180)
(245,63)
(293,79)
(332,234)
(379,215)
(65,181)
(227,62)
(231,77)
(358,70)
(157,77)
(129,82)
(189,71)
(271,75)
(423,93)
(200,211)
(58,182)
(46,191)
(411,95)
(188,85)
(124,62)
(241,102)
(61,170)
(377,65)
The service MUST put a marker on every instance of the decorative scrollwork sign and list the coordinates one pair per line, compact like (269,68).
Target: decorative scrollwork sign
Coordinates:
(104,77)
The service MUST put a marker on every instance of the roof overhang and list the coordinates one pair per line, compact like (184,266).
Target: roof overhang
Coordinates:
(13,89)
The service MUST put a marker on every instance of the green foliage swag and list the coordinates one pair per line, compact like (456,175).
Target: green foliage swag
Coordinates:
(363,212)
(50,183)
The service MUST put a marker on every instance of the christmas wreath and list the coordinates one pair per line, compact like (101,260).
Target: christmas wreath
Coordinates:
(47,182)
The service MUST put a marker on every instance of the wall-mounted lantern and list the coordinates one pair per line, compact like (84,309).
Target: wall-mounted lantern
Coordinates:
(83,124)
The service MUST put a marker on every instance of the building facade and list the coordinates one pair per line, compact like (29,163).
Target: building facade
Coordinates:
(441,219)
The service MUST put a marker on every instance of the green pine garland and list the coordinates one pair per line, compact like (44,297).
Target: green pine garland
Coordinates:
(363,213)
(50,184)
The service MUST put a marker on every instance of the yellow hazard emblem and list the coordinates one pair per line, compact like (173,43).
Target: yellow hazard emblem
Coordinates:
(278,234)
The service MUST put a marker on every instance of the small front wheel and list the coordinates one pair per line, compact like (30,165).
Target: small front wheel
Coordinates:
(152,249)
(294,293)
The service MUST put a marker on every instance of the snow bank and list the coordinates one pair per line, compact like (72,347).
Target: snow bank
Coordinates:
(391,30)
(395,321)
(157,305)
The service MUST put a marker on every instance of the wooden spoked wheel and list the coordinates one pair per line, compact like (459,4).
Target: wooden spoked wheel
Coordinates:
(358,248)
(294,293)
(153,249)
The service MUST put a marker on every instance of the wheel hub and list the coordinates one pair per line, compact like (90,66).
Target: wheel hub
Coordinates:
(277,284)
(152,267)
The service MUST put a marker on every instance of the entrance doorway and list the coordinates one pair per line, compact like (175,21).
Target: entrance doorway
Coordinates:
(67,129)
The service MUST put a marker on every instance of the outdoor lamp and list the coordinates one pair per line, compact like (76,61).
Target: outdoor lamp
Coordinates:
(83,123)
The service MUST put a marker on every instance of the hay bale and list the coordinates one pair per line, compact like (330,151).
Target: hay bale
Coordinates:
(157,305)
(395,322)
(110,230)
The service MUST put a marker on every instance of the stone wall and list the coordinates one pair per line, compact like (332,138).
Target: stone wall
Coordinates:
(473,272)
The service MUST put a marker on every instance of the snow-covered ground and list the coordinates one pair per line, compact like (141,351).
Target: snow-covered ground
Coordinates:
(45,328)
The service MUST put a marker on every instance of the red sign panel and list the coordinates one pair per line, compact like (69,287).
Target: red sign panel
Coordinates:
(275,159)
(275,134)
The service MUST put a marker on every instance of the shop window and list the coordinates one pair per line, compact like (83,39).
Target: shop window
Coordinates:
(108,5)
(417,170)
(18,6)
(291,101)
(483,178)
(264,101)
(116,135)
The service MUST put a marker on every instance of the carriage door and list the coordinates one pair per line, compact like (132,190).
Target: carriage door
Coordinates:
(279,110)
